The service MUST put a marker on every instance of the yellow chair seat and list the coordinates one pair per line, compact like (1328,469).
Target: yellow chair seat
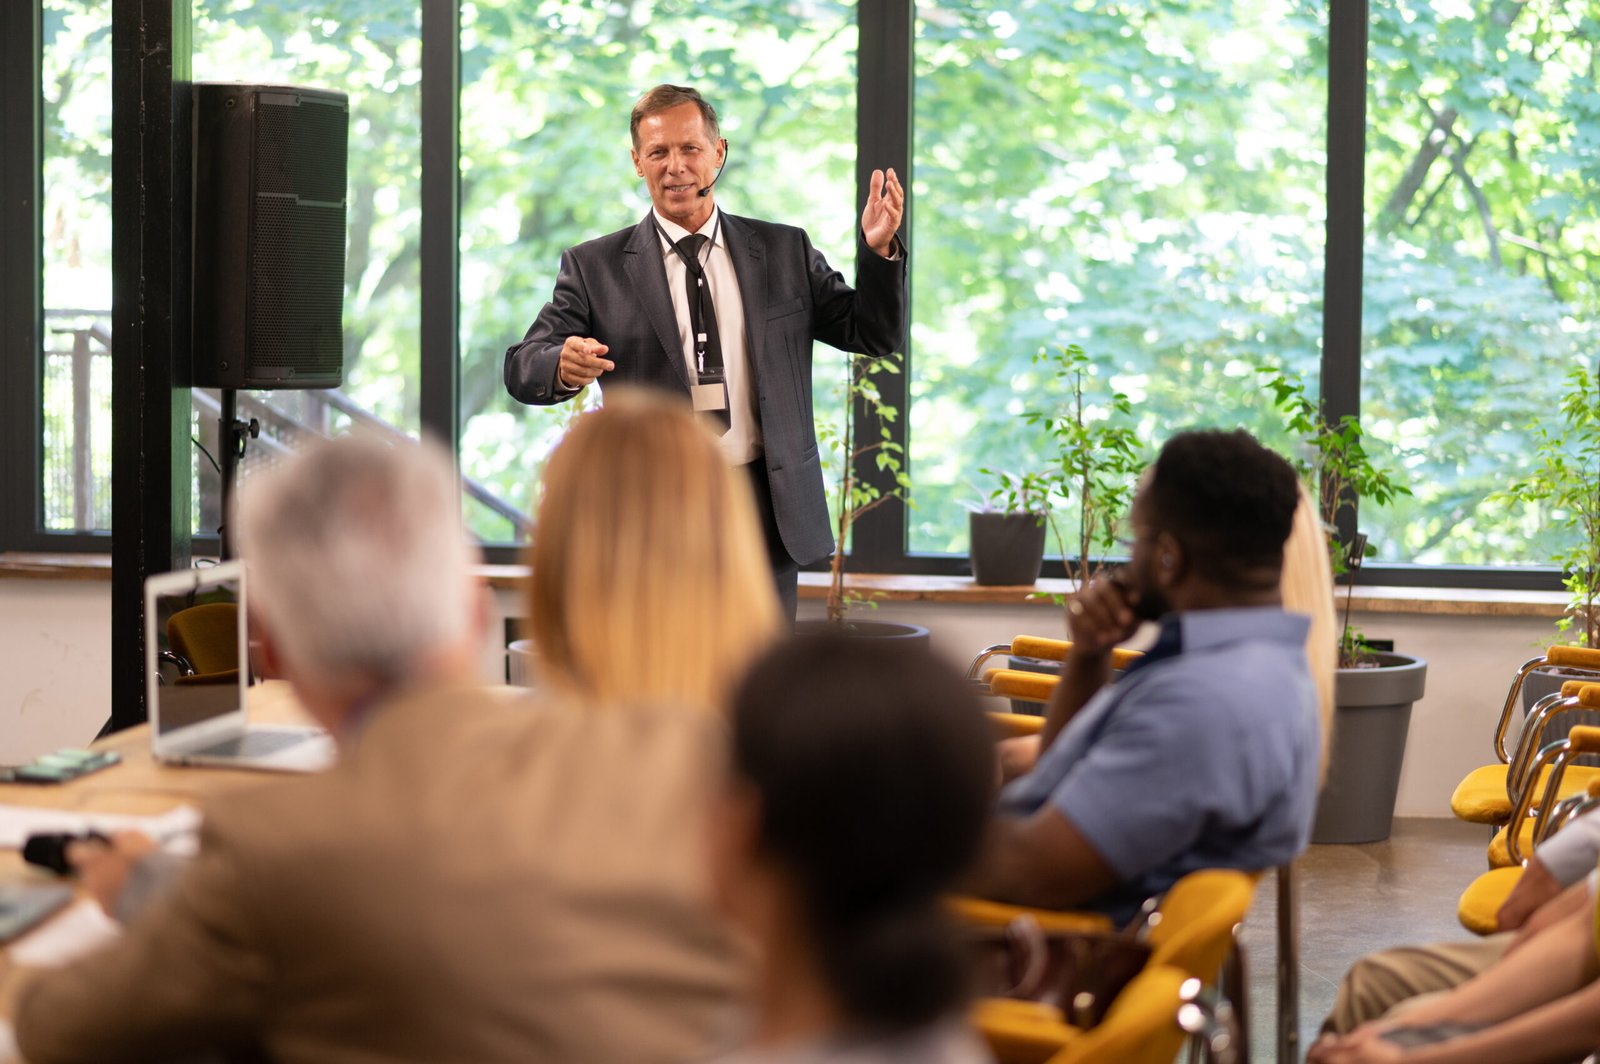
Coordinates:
(1016,725)
(1480,902)
(1481,797)
(1500,853)
(1022,1032)
(981,912)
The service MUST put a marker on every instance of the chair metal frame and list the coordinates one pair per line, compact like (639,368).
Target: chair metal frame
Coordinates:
(1556,757)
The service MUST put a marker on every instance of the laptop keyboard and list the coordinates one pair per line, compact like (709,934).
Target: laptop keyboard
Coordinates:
(253,744)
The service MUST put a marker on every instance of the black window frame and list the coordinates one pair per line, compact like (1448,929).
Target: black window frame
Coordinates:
(884,119)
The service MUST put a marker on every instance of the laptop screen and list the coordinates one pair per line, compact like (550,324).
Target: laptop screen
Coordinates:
(196,647)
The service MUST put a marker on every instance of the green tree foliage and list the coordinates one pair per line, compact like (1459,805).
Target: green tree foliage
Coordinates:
(1142,178)
(1483,259)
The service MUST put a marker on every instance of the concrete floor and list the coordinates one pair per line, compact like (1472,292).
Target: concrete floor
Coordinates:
(1354,900)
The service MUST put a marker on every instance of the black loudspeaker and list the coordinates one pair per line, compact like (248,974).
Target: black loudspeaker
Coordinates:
(269,236)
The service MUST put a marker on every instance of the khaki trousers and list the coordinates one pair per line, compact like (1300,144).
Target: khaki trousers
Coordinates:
(1380,981)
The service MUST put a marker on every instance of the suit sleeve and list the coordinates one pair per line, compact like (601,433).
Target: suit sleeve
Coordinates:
(190,974)
(868,319)
(531,365)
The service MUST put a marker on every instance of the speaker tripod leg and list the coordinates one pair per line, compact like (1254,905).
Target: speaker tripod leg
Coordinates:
(234,436)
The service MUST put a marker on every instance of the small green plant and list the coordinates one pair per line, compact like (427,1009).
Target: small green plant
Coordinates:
(852,497)
(1018,493)
(1333,460)
(1564,486)
(1097,457)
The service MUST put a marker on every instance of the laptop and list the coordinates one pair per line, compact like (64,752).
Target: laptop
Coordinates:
(197,667)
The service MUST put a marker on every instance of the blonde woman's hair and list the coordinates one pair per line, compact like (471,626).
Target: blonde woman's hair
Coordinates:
(650,581)
(1308,589)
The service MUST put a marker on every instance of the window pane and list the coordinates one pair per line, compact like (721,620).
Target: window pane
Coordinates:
(546,93)
(77,264)
(1483,187)
(1143,179)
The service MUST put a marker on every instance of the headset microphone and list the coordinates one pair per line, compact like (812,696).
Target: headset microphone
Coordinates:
(707,190)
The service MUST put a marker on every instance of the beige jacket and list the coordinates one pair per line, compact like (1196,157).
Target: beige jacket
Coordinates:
(481,879)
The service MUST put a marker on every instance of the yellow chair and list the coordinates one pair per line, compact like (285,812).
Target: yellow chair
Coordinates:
(1487,793)
(1479,905)
(1034,646)
(205,643)
(1142,1026)
(1191,930)
(1016,725)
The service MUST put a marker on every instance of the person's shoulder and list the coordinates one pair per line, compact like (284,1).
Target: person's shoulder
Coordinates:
(766,230)
(610,244)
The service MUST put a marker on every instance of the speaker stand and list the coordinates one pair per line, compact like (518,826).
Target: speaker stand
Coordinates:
(234,435)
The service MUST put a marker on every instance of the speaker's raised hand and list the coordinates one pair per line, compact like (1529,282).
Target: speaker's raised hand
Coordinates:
(886,202)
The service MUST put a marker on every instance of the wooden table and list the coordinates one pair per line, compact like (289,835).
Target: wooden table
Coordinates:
(138,785)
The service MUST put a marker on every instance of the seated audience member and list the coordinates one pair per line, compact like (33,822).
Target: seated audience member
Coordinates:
(1539,1004)
(1307,588)
(859,783)
(650,582)
(1556,881)
(1205,753)
(479,878)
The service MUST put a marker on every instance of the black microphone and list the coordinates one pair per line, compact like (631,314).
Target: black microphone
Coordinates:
(707,190)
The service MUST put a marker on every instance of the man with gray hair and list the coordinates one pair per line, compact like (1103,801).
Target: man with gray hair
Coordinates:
(425,899)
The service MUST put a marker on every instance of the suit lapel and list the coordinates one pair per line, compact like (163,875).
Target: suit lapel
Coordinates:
(642,263)
(750,267)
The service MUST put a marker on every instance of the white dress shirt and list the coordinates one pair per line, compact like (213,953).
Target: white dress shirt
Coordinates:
(1572,852)
(742,442)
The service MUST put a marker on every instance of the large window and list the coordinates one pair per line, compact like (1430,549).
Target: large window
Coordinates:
(1144,179)
(546,93)
(76,209)
(1483,180)
(1140,179)
(369,50)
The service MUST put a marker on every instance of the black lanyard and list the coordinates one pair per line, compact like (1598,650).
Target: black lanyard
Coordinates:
(699,294)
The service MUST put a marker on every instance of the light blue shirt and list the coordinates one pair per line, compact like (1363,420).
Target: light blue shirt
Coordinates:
(1203,756)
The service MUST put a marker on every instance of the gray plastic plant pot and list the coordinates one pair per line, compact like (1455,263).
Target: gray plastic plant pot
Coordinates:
(1371,716)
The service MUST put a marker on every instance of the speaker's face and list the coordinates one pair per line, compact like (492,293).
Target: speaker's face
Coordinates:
(677,158)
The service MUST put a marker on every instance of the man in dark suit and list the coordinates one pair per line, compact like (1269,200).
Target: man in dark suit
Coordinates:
(722,310)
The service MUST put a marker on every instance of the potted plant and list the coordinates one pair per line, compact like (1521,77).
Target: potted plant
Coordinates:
(1095,457)
(1007,532)
(853,497)
(1564,489)
(1098,456)
(1373,690)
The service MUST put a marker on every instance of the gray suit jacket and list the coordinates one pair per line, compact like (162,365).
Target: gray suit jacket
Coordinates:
(614,288)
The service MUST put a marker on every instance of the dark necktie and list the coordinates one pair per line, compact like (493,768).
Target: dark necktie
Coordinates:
(703,319)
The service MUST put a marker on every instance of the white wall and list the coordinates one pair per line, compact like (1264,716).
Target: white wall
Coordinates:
(55,664)
(55,670)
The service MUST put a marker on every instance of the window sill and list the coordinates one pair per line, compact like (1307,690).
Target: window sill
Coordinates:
(1443,602)
(24,565)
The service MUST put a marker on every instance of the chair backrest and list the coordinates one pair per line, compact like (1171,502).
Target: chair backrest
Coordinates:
(1197,918)
(1142,1026)
(207,636)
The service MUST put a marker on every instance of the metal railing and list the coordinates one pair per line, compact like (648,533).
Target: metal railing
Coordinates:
(72,454)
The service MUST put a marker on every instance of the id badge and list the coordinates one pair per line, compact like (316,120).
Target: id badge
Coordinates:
(709,397)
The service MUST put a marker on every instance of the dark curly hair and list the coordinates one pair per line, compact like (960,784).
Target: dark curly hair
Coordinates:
(1226,498)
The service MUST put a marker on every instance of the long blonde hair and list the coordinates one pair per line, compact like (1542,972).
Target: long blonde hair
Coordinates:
(650,581)
(1308,588)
